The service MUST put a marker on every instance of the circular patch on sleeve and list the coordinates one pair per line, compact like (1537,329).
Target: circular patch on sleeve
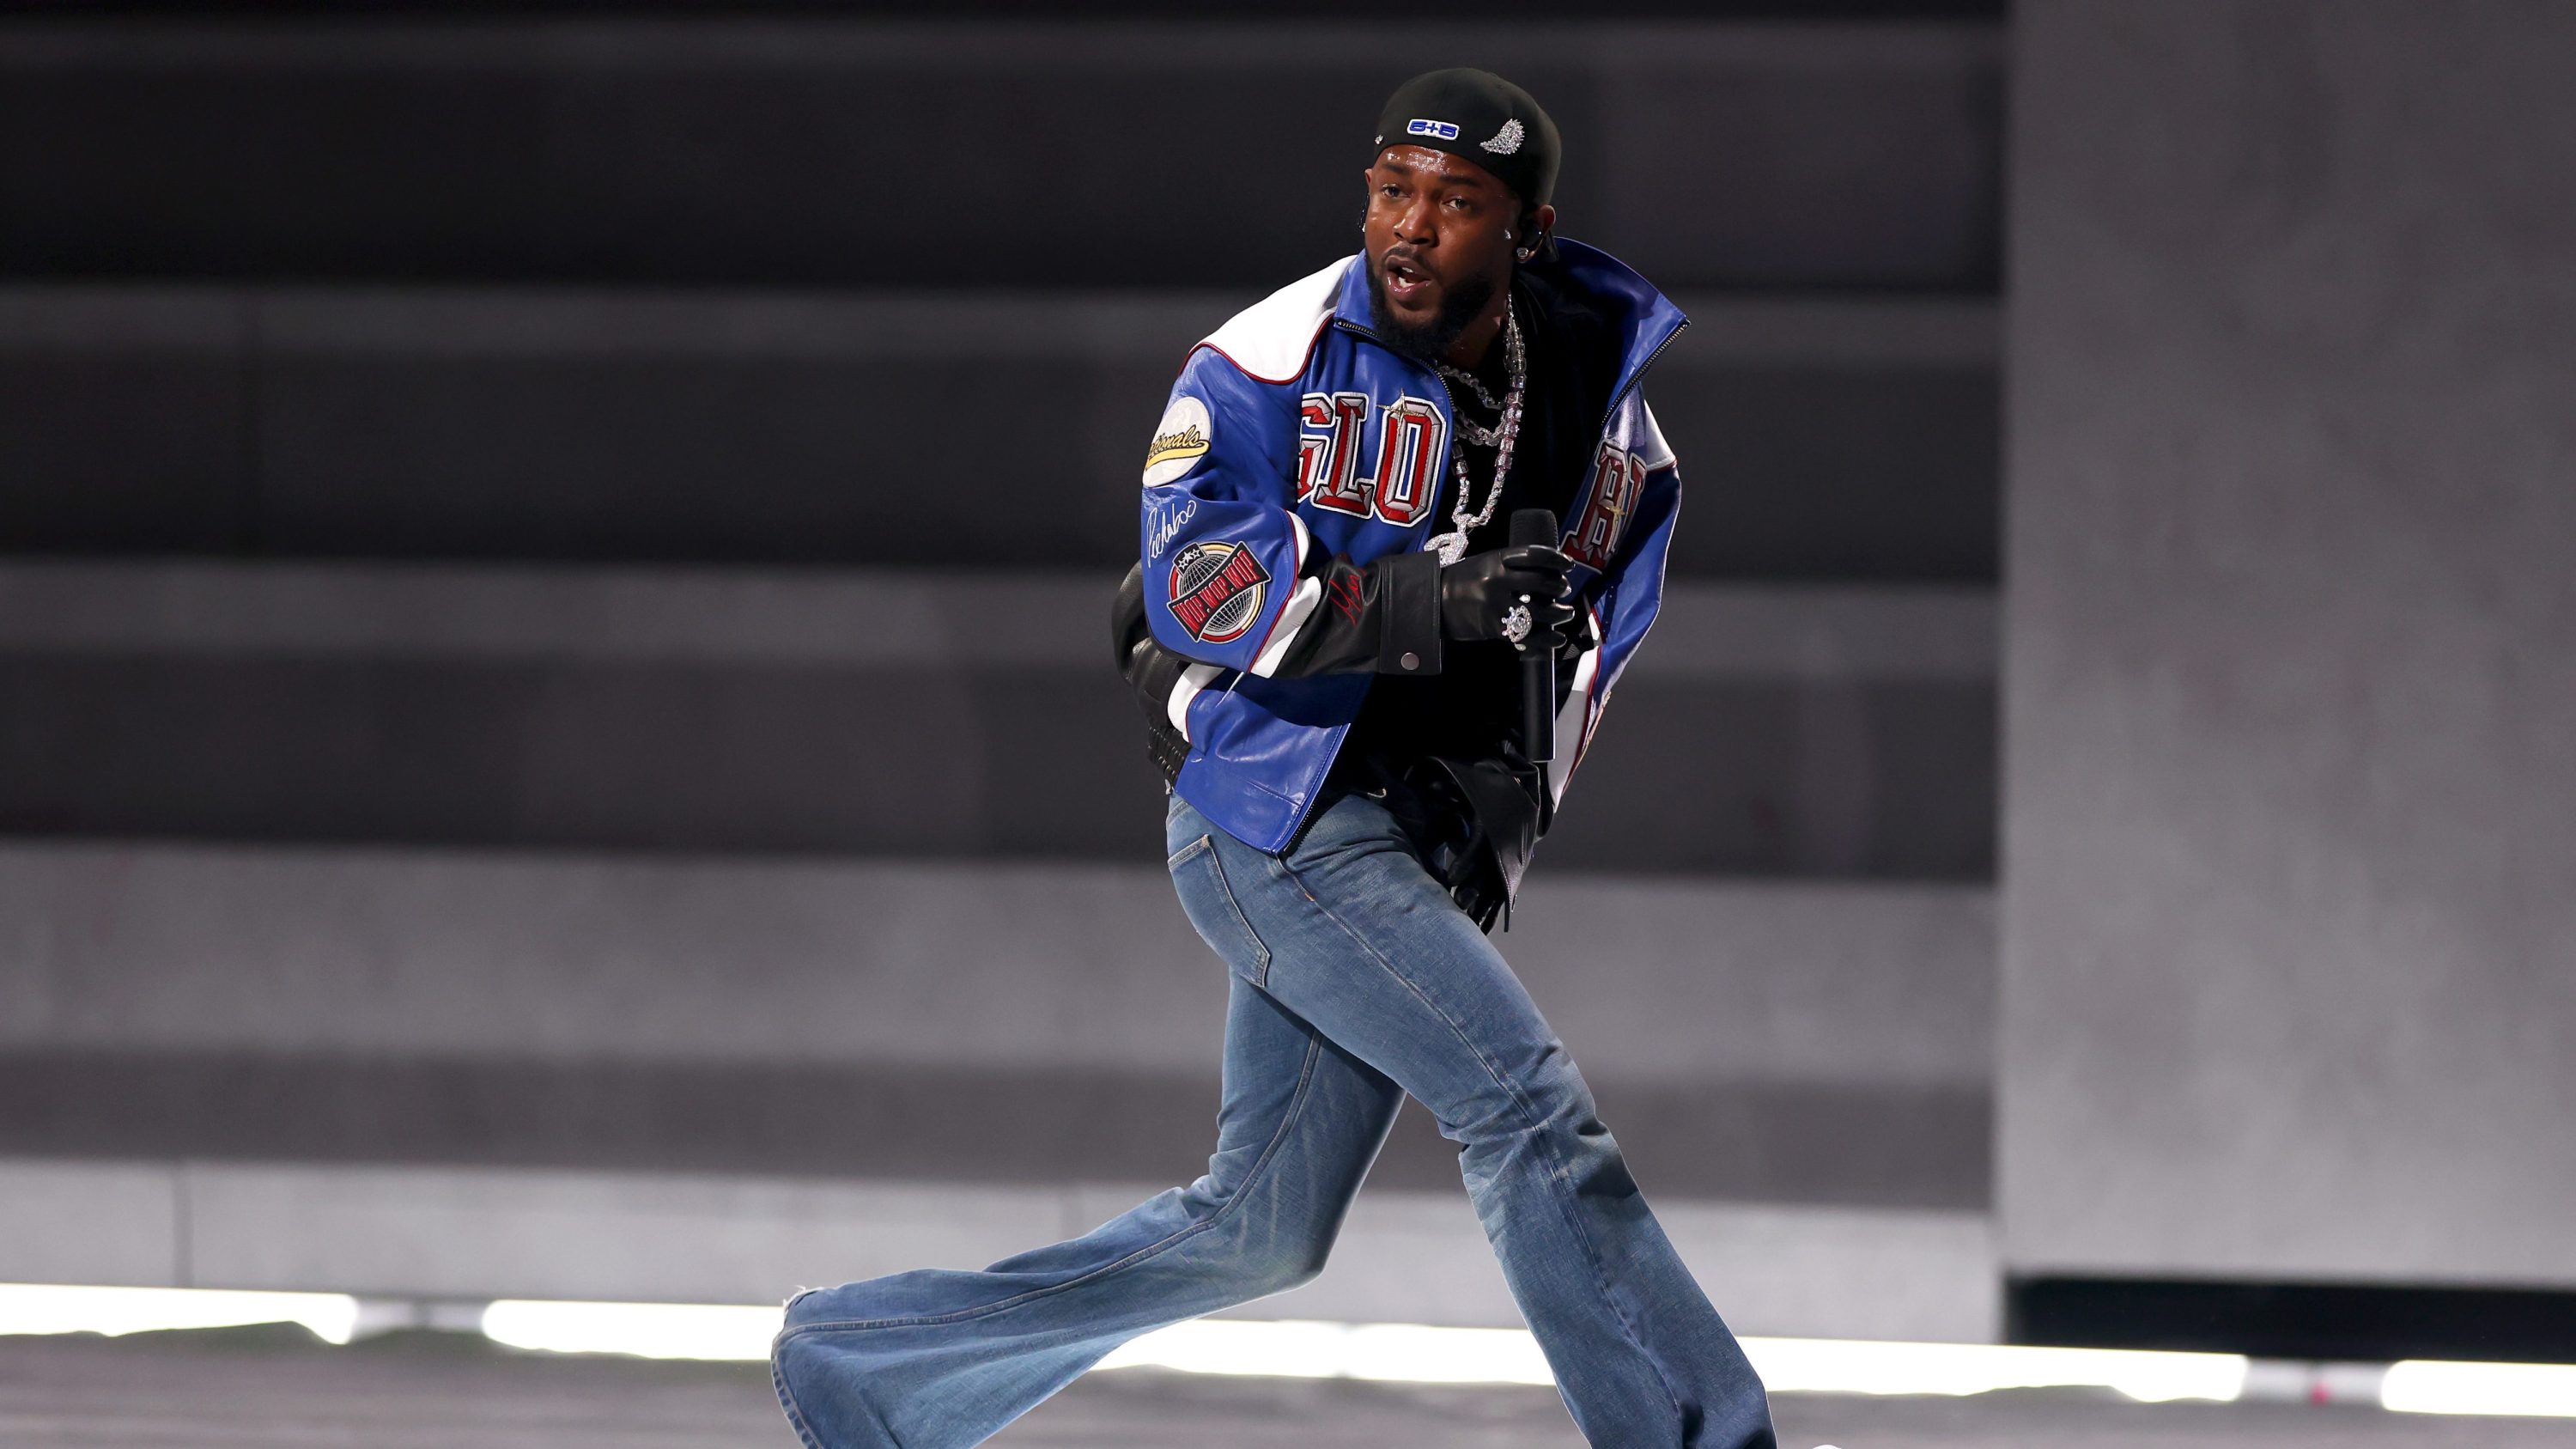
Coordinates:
(1217,588)
(1181,439)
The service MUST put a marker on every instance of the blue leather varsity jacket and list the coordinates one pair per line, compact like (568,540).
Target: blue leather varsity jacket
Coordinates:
(1294,440)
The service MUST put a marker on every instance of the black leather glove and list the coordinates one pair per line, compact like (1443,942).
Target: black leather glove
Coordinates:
(1151,669)
(1479,591)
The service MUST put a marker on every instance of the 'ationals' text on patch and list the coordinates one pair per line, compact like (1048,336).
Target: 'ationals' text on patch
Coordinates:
(1180,440)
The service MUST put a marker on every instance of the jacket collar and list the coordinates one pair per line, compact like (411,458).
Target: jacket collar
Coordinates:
(1645,318)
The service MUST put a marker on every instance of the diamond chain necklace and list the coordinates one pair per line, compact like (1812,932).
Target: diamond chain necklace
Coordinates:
(1452,546)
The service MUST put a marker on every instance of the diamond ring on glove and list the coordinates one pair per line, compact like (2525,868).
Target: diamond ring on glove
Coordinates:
(1516,624)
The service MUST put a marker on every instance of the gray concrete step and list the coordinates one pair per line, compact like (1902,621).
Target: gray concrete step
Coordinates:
(1820,439)
(964,1021)
(1817,733)
(991,153)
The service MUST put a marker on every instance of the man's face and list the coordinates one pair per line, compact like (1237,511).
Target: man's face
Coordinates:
(1436,244)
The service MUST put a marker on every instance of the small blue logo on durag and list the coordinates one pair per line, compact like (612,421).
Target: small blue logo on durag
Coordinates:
(1441,129)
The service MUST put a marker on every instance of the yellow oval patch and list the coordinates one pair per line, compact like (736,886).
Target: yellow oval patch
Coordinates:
(1180,440)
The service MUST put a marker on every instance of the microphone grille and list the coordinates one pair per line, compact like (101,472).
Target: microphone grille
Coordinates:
(1533,525)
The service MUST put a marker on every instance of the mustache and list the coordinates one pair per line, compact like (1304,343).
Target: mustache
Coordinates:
(1459,304)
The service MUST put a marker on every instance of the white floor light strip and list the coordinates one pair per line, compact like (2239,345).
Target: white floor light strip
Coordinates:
(1307,1348)
(66,1308)
(2426,1386)
(1418,1354)
(645,1330)
(1313,1348)
(1840,1366)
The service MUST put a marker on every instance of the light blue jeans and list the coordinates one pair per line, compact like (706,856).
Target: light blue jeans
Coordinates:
(1355,982)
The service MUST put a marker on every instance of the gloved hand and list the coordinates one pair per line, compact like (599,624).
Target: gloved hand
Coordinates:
(1479,591)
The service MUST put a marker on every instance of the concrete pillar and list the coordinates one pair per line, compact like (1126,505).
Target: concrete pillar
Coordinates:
(2289,915)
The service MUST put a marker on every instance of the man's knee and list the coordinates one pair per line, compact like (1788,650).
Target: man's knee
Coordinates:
(1550,1125)
(1553,1104)
(1274,1261)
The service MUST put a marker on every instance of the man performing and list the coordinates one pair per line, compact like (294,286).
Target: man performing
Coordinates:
(1328,625)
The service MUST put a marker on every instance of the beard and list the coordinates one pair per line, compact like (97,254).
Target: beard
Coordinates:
(1428,341)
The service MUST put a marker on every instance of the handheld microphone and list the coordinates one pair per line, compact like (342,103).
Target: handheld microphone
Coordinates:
(1538,664)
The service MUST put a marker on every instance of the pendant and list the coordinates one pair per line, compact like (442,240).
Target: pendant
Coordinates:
(1450,546)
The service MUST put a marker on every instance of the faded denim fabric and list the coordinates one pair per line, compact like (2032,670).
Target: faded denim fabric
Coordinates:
(1355,982)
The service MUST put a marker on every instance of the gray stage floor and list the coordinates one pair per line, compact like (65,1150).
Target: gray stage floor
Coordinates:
(250,1388)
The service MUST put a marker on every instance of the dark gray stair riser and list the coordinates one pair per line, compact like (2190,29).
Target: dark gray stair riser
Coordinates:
(1538,10)
(1799,468)
(985,155)
(1832,777)
(1861,1144)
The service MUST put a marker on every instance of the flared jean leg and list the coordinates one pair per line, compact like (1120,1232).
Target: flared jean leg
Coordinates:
(1349,931)
(943,1359)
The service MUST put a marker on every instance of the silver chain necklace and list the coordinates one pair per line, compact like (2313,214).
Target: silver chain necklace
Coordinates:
(1476,432)
(1476,384)
(1452,546)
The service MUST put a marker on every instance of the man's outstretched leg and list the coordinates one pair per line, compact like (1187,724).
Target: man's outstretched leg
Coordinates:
(942,1359)
(1354,936)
